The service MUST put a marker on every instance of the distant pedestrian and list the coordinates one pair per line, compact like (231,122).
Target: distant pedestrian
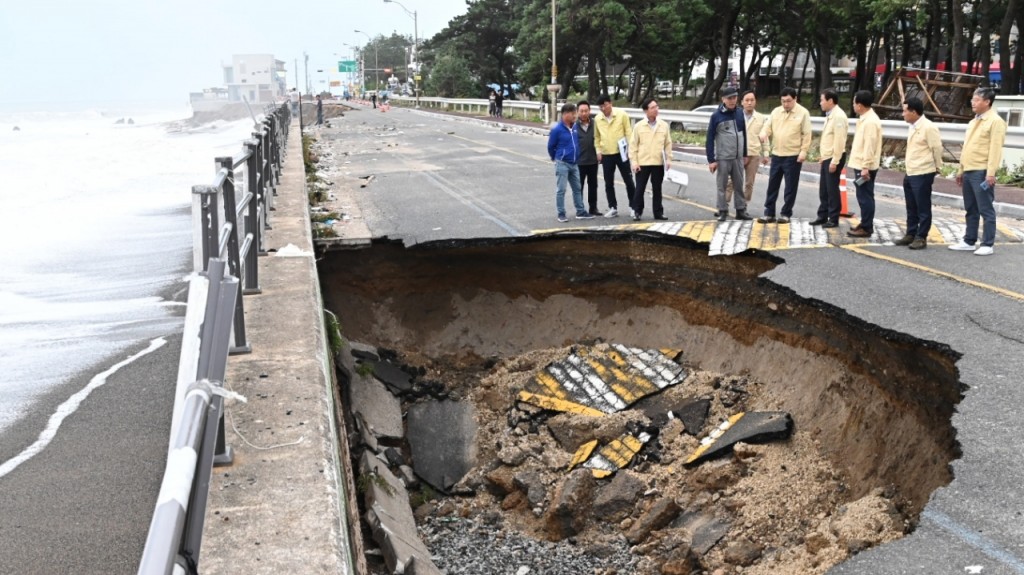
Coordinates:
(373,99)
(319,111)
(612,142)
(492,104)
(832,159)
(865,158)
(293,97)
(923,161)
(650,155)
(726,146)
(789,130)
(980,158)
(564,151)
(499,102)
(754,121)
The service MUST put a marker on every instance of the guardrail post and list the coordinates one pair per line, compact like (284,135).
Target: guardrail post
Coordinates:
(240,345)
(205,226)
(256,207)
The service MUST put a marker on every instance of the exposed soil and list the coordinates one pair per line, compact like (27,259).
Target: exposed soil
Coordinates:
(872,407)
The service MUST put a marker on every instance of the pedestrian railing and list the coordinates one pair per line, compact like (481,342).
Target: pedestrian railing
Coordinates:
(228,238)
(479,105)
(231,227)
(197,429)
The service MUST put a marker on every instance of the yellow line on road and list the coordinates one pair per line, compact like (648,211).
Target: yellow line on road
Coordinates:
(860,249)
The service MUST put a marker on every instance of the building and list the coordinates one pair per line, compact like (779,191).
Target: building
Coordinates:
(259,78)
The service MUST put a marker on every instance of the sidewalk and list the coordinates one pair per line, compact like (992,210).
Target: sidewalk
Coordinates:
(284,506)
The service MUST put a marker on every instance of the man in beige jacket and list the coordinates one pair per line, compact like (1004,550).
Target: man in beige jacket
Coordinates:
(924,160)
(789,131)
(865,158)
(755,121)
(833,159)
(650,154)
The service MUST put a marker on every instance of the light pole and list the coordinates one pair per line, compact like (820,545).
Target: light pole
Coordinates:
(415,44)
(355,55)
(376,66)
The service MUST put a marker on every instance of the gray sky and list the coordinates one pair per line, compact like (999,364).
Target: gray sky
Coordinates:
(160,50)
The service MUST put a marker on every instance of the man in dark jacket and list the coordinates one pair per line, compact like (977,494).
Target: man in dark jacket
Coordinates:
(585,129)
(727,153)
(564,151)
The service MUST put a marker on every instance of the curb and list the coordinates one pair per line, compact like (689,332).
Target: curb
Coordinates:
(888,190)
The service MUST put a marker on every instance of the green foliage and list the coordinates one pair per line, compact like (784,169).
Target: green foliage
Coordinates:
(321,217)
(450,76)
(365,369)
(334,338)
(385,52)
(367,480)
(424,495)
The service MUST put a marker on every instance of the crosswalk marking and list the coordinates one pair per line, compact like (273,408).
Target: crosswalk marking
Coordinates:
(735,236)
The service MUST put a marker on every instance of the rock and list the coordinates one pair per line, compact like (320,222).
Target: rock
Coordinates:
(394,457)
(514,500)
(680,561)
(704,530)
(572,431)
(442,438)
(753,427)
(501,481)
(742,553)
(659,515)
(397,380)
(572,505)
(616,500)
(408,476)
(513,455)
(692,412)
(531,484)
(363,351)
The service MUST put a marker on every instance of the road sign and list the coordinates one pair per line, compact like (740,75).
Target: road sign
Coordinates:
(347,66)
(417,77)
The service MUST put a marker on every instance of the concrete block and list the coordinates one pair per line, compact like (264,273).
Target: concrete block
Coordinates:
(442,437)
(381,410)
(391,520)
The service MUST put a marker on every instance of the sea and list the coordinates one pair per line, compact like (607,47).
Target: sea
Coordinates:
(95,238)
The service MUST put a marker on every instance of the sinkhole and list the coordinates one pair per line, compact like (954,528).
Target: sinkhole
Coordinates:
(471,323)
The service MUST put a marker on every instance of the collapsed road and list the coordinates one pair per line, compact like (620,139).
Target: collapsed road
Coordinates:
(460,330)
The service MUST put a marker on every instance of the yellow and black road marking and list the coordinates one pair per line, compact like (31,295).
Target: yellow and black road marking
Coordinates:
(597,381)
(611,457)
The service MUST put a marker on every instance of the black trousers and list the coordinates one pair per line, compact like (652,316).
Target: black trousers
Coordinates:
(829,203)
(656,174)
(609,162)
(588,180)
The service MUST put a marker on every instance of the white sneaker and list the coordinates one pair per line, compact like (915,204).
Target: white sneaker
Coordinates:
(612,213)
(632,213)
(962,246)
(983,251)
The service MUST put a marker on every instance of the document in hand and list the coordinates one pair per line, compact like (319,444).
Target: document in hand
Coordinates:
(624,149)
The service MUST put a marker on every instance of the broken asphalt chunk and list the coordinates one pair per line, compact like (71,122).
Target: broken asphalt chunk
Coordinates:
(754,427)
(611,457)
(603,379)
(442,439)
(397,380)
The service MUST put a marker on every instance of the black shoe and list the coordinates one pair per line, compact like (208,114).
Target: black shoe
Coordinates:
(766,220)
(905,240)
(743,215)
(783,219)
(830,225)
(661,217)
(722,216)
(818,222)
(919,244)
(596,213)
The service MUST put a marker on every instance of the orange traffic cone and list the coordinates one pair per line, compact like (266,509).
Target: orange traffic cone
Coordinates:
(844,210)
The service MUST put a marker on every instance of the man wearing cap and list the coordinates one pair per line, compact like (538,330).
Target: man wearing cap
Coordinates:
(726,146)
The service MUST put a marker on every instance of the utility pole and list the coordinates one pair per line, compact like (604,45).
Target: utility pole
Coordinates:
(376,64)
(309,90)
(296,73)
(415,45)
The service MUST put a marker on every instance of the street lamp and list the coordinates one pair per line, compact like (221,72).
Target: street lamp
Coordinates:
(415,44)
(376,66)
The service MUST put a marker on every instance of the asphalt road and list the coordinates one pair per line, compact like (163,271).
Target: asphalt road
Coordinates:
(438,177)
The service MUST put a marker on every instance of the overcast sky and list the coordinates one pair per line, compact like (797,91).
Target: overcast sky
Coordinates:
(160,50)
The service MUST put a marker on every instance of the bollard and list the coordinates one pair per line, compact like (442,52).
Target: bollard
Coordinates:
(844,209)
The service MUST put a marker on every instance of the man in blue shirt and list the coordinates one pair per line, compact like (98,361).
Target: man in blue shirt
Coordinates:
(564,151)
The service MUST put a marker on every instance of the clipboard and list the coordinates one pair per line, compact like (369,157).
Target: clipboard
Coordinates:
(624,149)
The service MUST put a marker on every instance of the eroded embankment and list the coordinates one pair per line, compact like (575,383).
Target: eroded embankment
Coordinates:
(878,403)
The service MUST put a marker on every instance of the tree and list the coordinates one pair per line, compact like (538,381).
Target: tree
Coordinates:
(450,77)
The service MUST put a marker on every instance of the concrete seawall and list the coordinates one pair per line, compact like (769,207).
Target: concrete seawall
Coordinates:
(285,505)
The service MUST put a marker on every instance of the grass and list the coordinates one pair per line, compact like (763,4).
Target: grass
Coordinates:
(367,480)
(334,338)
(424,495)
(322,217)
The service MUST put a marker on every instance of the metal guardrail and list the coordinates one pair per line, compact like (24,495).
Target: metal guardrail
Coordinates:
(895,129)
(475,104)
(175,532)
(228,236)
(231,228)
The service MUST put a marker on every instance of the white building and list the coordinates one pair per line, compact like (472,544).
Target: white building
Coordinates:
(259,78)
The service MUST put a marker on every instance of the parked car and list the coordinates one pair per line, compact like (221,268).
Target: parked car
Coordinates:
(695,127)
(663,88)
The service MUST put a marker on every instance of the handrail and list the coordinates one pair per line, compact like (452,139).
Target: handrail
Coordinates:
(225,233)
